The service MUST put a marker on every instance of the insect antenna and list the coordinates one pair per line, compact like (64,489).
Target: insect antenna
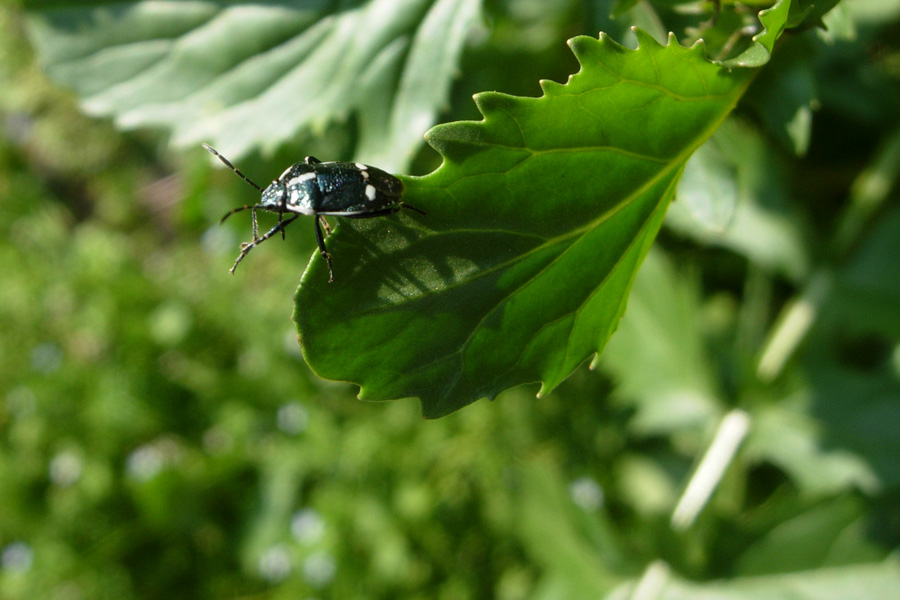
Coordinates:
(237,171)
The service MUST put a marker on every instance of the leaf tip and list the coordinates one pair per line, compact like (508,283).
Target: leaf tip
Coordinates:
(645,40)
(581,45)
(490,102)
(550,87)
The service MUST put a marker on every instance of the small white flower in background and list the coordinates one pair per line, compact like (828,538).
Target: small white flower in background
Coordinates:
(16,557)
(586,493)
(217,241)
(307,526)
(145,462)
(275,564)
(21,402)
(46,357)
(65,468)
(319,569)
(293,418)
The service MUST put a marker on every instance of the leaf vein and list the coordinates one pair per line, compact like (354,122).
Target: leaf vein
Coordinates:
(579,233)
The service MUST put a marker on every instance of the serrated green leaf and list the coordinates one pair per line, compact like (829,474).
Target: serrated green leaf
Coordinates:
(537,222)
(252,75)
(773,21)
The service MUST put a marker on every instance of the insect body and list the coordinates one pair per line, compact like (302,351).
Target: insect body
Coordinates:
(319,189)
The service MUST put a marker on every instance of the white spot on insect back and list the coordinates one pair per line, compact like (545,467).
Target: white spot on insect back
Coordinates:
(301,178)
(365,175)
(370,192)
(361,166)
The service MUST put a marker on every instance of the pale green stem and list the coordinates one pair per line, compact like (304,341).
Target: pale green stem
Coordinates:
(651,584)
(731,432)
(792,325)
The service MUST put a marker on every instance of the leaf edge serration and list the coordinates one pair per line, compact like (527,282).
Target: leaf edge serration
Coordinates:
(450,140)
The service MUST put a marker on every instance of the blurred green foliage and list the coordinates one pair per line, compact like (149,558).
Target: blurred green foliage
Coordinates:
(160,435)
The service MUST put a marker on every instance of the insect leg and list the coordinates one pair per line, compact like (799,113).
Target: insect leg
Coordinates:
(246,247)
(325,225)
(411,207)
(371,214)
(239,209)
(381,212)
(321,241)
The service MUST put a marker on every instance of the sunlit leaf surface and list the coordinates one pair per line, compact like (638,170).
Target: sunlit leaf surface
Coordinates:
(537,222)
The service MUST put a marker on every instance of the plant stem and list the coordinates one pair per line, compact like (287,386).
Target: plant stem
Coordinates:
(731,432)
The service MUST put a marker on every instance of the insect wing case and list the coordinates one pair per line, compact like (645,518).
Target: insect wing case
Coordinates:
(355,188)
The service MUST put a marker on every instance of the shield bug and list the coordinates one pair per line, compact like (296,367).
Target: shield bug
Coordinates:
(320,189)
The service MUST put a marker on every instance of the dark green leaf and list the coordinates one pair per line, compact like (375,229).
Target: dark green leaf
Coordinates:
(809,13)
(537,222)
(784,94)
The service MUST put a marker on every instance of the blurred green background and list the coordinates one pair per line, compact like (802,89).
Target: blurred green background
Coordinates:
(161,436)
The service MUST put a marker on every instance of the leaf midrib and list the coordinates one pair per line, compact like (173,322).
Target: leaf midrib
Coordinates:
(576,233)
(549,241)
(676,161)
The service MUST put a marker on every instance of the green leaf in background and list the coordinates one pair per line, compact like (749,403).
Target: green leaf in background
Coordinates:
(583,555)
(831,534)
(870,276)
(661,335)
(809,13)
(840,583)
(762,226)
(797,443)
(708,190)
(537,222)
(784,95)
(252,75)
